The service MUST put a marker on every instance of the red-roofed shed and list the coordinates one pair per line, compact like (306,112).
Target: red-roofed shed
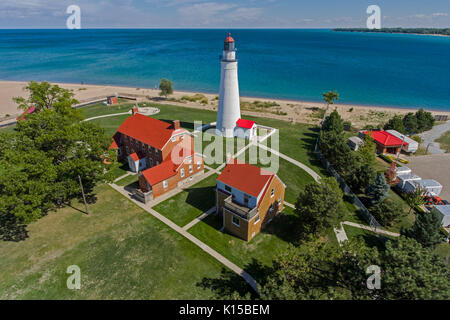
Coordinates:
(386,142)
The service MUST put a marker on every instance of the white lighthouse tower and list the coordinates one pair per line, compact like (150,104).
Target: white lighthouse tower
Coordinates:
(229,110)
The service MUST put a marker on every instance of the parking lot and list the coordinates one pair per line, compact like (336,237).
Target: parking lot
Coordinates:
(435,167)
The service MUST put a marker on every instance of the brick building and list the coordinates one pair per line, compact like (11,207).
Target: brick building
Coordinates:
(247,198)
(162,153)
(385,142)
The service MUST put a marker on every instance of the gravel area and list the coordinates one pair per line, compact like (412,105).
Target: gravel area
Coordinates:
(429,137)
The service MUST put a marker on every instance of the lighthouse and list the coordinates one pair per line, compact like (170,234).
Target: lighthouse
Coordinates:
(229,111)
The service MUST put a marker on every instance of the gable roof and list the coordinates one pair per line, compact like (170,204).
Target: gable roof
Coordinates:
(245,177)
(385,138)
(246,124)
(168,168)
(148,130)
(134,156)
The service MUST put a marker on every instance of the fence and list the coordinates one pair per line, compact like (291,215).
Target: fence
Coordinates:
(373,223)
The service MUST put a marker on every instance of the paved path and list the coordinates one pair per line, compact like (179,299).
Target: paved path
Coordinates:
(198,219)
(429,137)
(311,172)
(247,277)
(377,230)
(289,205)
(107,116)
(340,234)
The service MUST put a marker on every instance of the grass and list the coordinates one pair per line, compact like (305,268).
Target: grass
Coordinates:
(119,169)
(123,253)
(264,247)
(8,128)
(128,181)
(294,177)
(190,203)
(369,238)
(444,141)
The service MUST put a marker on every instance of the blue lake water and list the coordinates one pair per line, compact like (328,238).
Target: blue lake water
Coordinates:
(365,68)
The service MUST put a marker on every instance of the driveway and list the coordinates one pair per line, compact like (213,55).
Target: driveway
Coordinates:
(429,137)
(437,167)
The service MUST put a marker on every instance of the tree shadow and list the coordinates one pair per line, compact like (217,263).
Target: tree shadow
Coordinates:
(202,198)
(285,227)
(11,228)
(231,285)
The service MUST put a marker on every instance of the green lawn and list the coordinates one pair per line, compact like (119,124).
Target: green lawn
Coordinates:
(264,247)
(123,253)
(369,238)
(8,129)
(191,203)
(129,180)
(119,169)
(444,141)
(294,177)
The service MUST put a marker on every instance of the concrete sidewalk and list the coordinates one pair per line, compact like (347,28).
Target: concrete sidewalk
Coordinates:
(247,277)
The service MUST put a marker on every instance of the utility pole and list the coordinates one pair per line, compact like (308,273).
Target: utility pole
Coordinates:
(84,197)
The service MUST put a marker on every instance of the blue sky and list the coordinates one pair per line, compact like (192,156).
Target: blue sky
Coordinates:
(223,13)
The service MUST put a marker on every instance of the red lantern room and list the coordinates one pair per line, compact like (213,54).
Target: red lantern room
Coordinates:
(229,43)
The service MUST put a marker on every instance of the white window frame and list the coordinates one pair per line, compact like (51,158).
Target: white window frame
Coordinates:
(182,172)
(199,165)
(191,168)
(272,193)
(165,184)
(239,221)
(174,138)
(257,219)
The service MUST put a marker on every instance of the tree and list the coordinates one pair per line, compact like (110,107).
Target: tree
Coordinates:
(166,88)
(410,123)
(329,97)
(425,120)
(367,152)
(320,271)
(334,123)
(378,190)
(42,159)
(319,206)
(427,229)
(361,177)
(387,212)
(396,123)
(411,272)
(415,198)
(44,95)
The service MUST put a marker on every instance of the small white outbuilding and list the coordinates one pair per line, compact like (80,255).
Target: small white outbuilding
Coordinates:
(431,187)
(411,145)
(354,143)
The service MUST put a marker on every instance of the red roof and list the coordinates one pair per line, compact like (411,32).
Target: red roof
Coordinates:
(168,168)
(245,177)
(385,138)
(148,130)
(30,110)
(229,39)
(246,124)
(134,156)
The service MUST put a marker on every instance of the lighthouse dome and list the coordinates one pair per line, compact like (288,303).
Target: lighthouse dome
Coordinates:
(229,39)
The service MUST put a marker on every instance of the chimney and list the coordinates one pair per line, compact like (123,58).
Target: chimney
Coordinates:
(176,124)
(134,111)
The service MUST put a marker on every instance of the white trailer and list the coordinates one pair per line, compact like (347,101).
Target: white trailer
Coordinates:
(401,171)
(431,187)
(403,179)
(444,211)
(411,146)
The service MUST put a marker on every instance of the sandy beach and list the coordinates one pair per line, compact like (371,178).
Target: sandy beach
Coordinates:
(297,111)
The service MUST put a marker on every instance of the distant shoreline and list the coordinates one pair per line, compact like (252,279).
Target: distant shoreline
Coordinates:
(412,31)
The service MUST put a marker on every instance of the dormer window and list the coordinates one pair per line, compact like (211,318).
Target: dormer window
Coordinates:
(228,188)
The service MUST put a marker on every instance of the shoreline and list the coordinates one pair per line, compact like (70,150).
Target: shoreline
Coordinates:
(296,110)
